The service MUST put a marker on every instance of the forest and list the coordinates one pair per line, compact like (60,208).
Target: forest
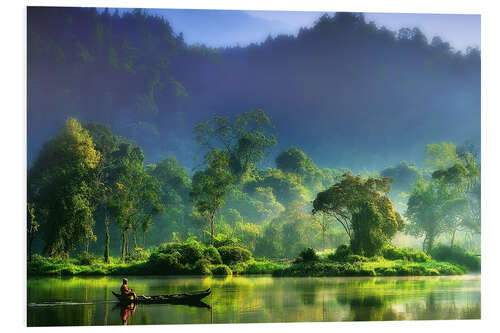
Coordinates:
(149,155)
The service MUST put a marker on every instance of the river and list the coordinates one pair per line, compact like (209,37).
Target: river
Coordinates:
(79,301)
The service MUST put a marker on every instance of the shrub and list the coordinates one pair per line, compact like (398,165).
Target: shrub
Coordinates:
(224,240)
(86,259)
(341,253)
(190,251)
(166,263)
(307,255)
(137,255)
(221,270)
(211,254)
(202,267)
(395,253)
(234,254)
(456,255)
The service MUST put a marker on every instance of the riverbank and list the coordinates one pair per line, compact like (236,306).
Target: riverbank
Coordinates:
(41,266)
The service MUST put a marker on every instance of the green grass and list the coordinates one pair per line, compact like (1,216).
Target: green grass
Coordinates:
(370,267)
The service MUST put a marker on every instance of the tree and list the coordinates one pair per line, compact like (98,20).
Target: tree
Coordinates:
(404,176)
(440,155)
(324,222)
(106,143)
(425,212)
(246,140)
(346,202)
(210,186)
(296,161)
(60,184)
(136,194)
(33,226)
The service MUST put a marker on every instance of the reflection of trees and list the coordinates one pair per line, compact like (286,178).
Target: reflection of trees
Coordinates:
(261,299)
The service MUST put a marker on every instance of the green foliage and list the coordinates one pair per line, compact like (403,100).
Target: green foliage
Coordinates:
(456,255)
(246,140)
(442,155)
(212,255)
(341,253)
(307,255)
(404,176)
(221,270)
(234,254)
(370,233)
(224,240)
(407,254)
(425,212)
(61,185)
(86,259)
(210,186)
(138,255)
(363,209)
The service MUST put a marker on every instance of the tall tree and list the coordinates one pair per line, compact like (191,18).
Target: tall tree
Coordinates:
(425,212)
(210,186)
(346,202)
(60,184)
(246,140)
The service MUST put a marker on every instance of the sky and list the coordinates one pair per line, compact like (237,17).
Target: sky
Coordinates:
(220,28)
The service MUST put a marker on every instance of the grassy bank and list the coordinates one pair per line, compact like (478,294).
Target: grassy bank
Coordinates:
(193,258)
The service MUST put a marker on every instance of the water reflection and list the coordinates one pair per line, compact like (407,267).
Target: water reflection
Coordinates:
(256,299)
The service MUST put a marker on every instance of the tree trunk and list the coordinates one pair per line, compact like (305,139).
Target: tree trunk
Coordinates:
(135,240)
(30,246)
(324,231)
(453,237)
(108,240)
(123,247)
(144,240)
(212,229)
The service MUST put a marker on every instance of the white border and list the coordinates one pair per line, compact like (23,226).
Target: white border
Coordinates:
(14,156)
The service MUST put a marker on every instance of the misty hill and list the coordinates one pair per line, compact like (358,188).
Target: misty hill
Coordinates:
(344,91)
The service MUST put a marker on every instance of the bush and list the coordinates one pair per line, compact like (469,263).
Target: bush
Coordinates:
(234,254)
(307,255)
(138,255)
(190,252)
(221,270)
(211,254)
(341,253)
(224,240)
(86,259)
(395,253)
(456,255)
(202,267)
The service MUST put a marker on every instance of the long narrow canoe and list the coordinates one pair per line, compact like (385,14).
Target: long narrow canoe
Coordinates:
(186,298)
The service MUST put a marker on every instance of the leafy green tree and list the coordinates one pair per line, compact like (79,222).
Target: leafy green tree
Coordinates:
(425,212)
(106,142)
(210,186)
(296,161)
(324,222)
(440,155)
(285,187)
(404,176)
(136,194)
(461,183)
(246,139)
(269,244)
(59,183)
(347,201)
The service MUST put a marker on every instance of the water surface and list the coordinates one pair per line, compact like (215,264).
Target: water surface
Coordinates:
(79,301)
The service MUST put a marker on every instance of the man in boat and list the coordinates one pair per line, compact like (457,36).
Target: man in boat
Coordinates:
(125,291)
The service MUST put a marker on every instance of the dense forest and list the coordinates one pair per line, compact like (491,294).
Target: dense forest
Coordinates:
(136,139)
(350,94)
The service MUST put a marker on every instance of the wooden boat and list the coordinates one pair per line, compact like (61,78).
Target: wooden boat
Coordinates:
(186,298)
